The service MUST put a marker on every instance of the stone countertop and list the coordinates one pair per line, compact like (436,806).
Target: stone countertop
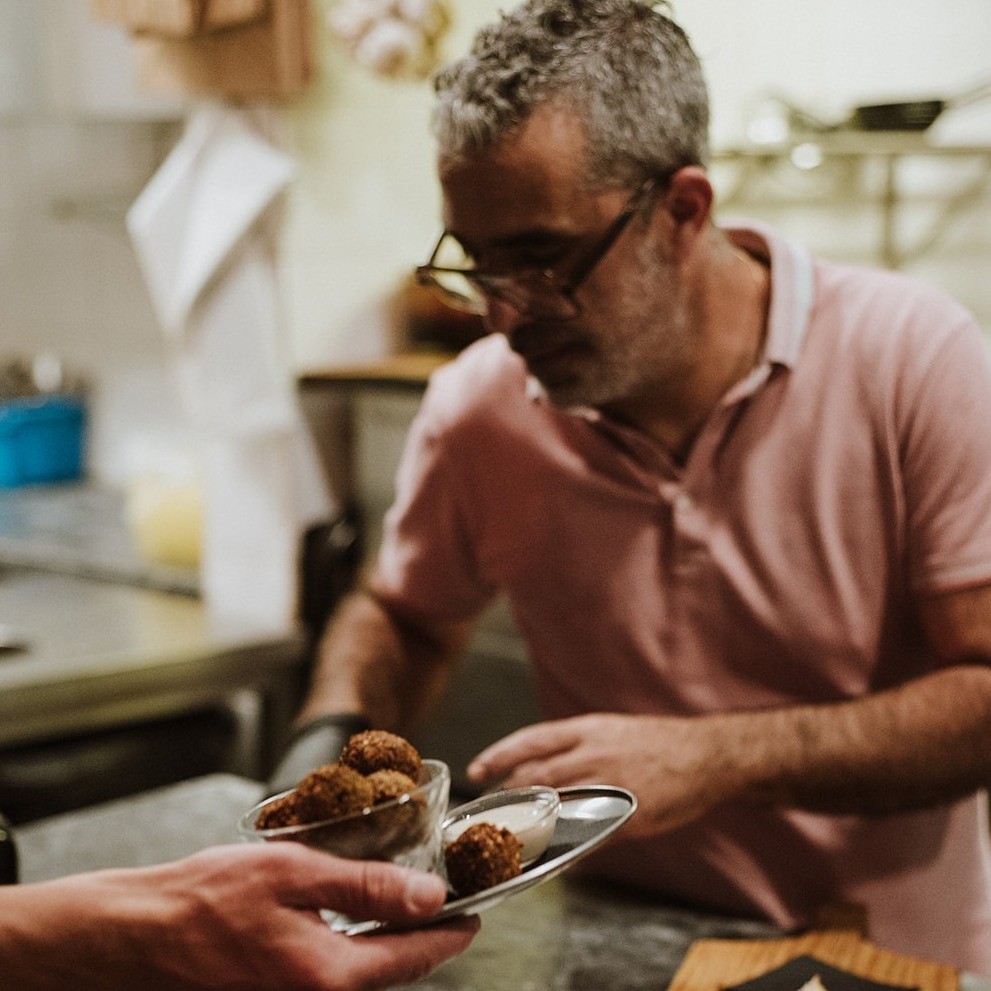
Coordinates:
(139,830)
(561,935)
(566,935)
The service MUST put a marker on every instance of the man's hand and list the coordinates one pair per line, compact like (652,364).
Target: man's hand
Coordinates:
(921,744)
(667,762)
(230,917)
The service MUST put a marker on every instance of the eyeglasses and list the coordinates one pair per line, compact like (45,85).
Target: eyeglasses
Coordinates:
(534,291)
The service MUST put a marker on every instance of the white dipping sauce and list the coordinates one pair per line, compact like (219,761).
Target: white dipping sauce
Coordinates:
(531,822)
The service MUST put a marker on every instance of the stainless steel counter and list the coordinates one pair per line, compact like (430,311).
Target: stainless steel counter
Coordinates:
(80,529)
(99,654)
(102,638)
(567,935)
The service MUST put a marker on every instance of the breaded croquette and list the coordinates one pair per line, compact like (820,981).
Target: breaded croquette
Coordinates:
(330,792)
(387,785)
(379,750)
(278,813)
(482,856)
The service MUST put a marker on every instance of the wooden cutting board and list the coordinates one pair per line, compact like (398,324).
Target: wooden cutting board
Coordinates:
(714,964)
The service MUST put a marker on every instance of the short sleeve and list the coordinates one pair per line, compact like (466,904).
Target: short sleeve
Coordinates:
(946,460)
(426,562)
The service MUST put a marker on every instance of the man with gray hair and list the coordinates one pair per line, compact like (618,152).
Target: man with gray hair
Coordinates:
(737,499)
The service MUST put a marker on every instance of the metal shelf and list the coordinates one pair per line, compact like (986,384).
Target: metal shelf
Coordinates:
(854,149)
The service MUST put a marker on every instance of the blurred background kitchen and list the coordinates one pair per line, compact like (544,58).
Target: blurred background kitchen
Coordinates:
(161,581)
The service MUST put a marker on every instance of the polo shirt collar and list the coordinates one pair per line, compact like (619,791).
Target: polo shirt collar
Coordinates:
(792,289)
(792,292)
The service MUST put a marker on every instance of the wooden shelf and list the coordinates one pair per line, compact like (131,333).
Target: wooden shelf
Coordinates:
(411,369)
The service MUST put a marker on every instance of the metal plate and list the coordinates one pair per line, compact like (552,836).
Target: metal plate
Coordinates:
(589,815)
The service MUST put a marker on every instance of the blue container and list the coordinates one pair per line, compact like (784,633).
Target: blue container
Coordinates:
(41,440)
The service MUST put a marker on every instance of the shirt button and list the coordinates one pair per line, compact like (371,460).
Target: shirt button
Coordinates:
(684,503)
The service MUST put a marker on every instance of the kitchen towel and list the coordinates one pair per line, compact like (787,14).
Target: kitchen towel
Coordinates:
(179,18)
(221,49)
(206,232)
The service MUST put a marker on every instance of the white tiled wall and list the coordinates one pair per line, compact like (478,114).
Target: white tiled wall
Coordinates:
(78,141)
(69,282)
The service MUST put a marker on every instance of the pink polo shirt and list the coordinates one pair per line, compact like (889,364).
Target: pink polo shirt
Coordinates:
(851,469)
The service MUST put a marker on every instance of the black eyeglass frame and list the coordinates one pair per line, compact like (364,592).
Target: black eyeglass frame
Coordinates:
(511,287)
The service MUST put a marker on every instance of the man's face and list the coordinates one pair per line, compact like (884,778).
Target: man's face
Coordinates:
(524,205)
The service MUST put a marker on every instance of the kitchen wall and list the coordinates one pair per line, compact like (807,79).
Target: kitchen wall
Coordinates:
(77,143)
(366,205)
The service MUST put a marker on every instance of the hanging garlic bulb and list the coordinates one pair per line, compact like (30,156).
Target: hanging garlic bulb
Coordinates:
(395,38)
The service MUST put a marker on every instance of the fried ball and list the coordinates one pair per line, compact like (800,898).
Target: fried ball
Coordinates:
(330,792)
(387,785)
(379,750)
(482,856)
(279,812)
(403,824)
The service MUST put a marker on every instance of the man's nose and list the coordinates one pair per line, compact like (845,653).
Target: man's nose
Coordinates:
(502,317)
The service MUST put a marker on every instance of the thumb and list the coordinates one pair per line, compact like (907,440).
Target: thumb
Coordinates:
(376,890)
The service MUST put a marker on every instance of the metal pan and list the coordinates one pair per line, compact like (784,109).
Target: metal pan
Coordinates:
(913,115)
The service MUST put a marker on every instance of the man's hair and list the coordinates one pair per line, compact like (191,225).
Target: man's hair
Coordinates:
(624,68)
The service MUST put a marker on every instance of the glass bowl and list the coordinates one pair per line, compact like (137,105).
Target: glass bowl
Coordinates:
(530,813)
(405,830)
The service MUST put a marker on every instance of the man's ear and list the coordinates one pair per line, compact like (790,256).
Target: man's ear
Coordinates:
(688,202)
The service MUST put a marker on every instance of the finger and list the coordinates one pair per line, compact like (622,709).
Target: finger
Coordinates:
(532,743)
(310,879)
(559,770)
(386,959)
(378,890)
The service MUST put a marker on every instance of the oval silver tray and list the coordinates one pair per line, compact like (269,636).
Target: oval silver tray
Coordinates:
(589,815)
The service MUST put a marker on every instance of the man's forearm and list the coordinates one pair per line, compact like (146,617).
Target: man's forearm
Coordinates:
(373,671)
(359,665)
(373,663)
(923,743)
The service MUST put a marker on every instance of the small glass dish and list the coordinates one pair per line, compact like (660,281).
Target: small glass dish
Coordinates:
(405,830)
(530,813)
